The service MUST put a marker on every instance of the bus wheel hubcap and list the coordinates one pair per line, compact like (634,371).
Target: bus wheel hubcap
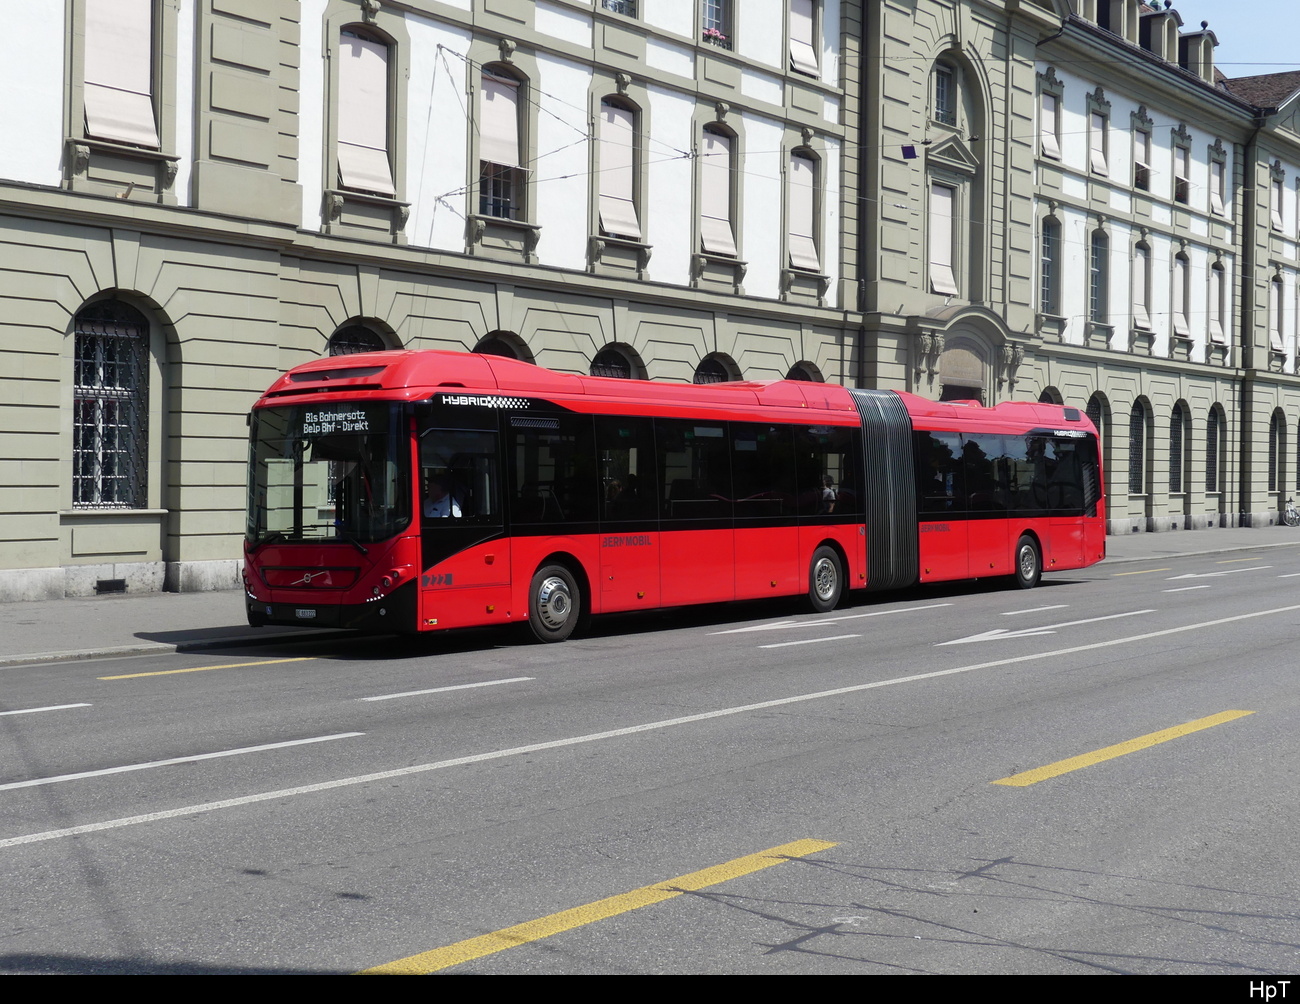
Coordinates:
(824,578)
(1027,561)
(554,603)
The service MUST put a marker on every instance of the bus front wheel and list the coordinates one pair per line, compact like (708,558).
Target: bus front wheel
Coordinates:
(554,603)
(1029,563)
(825,580)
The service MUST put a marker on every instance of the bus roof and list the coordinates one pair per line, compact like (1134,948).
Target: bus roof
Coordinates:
(409,375)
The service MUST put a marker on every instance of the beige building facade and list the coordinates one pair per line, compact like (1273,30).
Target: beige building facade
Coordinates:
(902,194)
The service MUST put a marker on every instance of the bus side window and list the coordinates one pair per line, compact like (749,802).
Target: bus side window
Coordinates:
(822,452)
(553,476)
(762,470)
(986,471)
(628,479)
(940,480)
(695,469)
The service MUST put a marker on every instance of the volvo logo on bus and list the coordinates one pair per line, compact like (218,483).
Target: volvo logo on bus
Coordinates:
(485,400)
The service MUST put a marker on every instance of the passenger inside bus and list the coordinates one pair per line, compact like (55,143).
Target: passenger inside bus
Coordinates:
(439,497)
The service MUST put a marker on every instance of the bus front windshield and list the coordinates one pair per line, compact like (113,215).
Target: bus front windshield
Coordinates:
(328,472)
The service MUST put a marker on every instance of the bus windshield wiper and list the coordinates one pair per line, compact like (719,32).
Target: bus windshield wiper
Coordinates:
(351,540)
(270,538)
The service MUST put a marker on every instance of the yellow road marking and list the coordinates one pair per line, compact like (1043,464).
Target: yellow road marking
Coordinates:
(204,669)
(566,920)
(1119,749)
(1147,571)
(1235,561)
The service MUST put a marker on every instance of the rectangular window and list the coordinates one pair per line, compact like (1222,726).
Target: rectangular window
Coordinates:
(1142,160)
(1275,315)
(1218,191)
(1048,126)
(500,170)
(1097,142)
(618,215)
(118,75)
(803,200)
(363,115)
(942,203)
(552,476)
(716,23)
(1182,180)
(1141,287)
(1099,279)
(945,95)
(1048,297)
(716,235)
(695,469)
(803,51)
(1275,203)
(625,7)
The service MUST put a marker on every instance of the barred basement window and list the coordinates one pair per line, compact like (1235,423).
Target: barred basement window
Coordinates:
(611,363)
(110,422)
(711,371)
(1275,448)
(355,338)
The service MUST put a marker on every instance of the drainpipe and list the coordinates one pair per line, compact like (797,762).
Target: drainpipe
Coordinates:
(1246,330)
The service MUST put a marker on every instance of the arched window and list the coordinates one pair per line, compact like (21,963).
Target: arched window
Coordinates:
(1176,422)
(711,370)
(110,407)
(806,372)
(1137,442)
(1213,431)
(355,338)
(611,363)
(1276,451)
(1050,395)
(496,345)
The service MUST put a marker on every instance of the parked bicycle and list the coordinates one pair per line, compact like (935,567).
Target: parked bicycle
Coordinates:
(1292,516)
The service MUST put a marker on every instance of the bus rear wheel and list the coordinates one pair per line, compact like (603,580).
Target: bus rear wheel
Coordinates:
(825,580)
(1029,563)
(554,603)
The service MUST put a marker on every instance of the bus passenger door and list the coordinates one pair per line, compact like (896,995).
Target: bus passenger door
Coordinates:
(465,555)
(766,521)
(987,488)
(629,514)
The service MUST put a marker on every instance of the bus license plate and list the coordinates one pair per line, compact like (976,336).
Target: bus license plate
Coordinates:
(304,615)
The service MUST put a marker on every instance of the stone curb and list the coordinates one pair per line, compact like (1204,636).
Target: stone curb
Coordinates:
(160,648)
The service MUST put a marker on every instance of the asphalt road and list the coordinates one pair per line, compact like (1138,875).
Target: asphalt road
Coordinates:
(476,803)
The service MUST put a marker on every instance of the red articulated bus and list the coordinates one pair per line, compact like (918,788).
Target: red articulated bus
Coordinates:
(417,491)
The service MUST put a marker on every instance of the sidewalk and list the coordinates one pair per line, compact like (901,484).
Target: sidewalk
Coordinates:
(58,630)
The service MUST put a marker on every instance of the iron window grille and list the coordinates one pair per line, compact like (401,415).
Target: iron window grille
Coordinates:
(611,363)
(711,371)
(350,340)
(1176,450)
(1212,453)
(110,425)
(1137,442)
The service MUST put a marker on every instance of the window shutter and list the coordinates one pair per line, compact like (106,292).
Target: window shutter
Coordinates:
(498,141)
(617,149)
(942,279)
(1216,186)
(1047,126)
(119,72)
(363,116)
(803,246)
(803,56)
(716,235)
(1097,143)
